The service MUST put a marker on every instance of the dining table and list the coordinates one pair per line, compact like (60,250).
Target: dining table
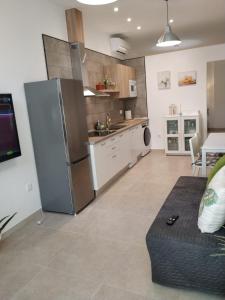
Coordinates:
(215,143)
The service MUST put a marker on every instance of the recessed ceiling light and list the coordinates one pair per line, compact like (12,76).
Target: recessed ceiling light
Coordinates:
(96,2)
(116,9)
(129,19)
(171,20)
(139,28)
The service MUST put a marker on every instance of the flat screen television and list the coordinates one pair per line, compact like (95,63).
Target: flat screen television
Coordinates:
(9,140)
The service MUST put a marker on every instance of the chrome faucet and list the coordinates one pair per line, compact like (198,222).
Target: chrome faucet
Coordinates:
(108,121)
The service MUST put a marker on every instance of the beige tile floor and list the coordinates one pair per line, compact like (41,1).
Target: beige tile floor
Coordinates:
(99,254)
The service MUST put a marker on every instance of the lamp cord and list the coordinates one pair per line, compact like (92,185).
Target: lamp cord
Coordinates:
(167,12)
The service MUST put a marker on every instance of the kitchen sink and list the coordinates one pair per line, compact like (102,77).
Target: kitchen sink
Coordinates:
(117,126)
(96,133)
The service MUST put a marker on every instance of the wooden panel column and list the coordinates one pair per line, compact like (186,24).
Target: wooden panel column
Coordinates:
(74,23)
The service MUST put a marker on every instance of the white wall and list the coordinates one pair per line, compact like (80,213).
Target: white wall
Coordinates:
(191,98)
(216,94)
(210,92)
(98,41)
(21,60)
(219,114)
(95,38)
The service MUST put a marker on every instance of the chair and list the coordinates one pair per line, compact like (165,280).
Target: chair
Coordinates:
(196,156)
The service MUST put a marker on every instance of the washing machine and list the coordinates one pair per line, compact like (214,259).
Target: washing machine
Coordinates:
(146,139)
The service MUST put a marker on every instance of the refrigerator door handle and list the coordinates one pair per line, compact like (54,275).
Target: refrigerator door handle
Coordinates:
(79,160)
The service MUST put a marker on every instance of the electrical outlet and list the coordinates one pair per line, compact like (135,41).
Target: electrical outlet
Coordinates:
(121,112)
(29,187)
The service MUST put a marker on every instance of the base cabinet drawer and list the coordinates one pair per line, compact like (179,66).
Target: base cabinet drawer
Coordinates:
(135,142)
(112,155)
(124,145)
(101,167)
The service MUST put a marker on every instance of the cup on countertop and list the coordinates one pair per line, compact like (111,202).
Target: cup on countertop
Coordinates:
(128,115)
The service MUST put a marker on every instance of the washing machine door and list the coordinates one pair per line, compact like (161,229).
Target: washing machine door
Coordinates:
(147,136)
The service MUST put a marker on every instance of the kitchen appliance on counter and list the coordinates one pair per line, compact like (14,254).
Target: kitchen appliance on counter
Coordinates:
(132,88)
(128,115)
(60,139)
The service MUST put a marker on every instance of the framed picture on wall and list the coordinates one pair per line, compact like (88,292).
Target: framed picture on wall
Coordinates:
(187,78)
(164,80)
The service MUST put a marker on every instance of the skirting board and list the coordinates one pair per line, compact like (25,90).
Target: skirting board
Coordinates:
(33,217)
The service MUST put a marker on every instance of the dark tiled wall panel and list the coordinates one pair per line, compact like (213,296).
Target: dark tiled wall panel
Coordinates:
(58,62)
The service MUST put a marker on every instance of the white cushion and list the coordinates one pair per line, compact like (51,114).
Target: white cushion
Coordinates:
(212,207)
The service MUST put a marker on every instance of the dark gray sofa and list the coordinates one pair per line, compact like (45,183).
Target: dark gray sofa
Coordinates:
(181,256)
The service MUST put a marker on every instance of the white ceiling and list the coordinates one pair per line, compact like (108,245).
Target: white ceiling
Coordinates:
(196,22)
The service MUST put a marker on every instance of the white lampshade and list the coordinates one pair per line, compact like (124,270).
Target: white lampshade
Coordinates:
(96,2)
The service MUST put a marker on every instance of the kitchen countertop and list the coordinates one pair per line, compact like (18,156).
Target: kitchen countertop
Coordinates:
(128,123)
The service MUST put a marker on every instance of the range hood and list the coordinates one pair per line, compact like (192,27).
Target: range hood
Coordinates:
(75,32)
(78,58)
(90,92)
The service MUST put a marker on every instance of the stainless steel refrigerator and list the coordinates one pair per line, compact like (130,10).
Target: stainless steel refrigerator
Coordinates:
(59,131)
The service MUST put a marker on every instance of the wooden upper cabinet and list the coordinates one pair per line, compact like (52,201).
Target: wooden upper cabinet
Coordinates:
(120,74)
(74,23)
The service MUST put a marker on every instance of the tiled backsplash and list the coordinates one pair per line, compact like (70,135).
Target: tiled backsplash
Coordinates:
(58,62)
(94,66)
(97,107)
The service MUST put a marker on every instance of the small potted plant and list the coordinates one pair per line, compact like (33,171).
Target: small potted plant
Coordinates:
(3,222)
(106,83)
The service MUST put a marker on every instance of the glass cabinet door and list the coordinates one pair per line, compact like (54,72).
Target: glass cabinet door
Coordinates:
(172,126)
(173,143)
(186,144)
(190,126)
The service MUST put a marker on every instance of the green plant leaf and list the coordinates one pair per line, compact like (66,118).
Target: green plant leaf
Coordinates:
(3,219)
(4,225)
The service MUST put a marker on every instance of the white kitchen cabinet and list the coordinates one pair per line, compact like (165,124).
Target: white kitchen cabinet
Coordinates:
(103,157)
(113,154)
(135,142)
(178,131)
(124,145)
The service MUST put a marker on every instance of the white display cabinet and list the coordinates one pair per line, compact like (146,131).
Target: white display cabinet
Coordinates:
(178,130)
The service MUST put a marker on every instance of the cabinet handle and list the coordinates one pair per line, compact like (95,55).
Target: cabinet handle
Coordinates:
(113,148)
(114,156)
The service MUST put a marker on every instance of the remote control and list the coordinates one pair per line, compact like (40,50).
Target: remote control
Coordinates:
(172,220)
